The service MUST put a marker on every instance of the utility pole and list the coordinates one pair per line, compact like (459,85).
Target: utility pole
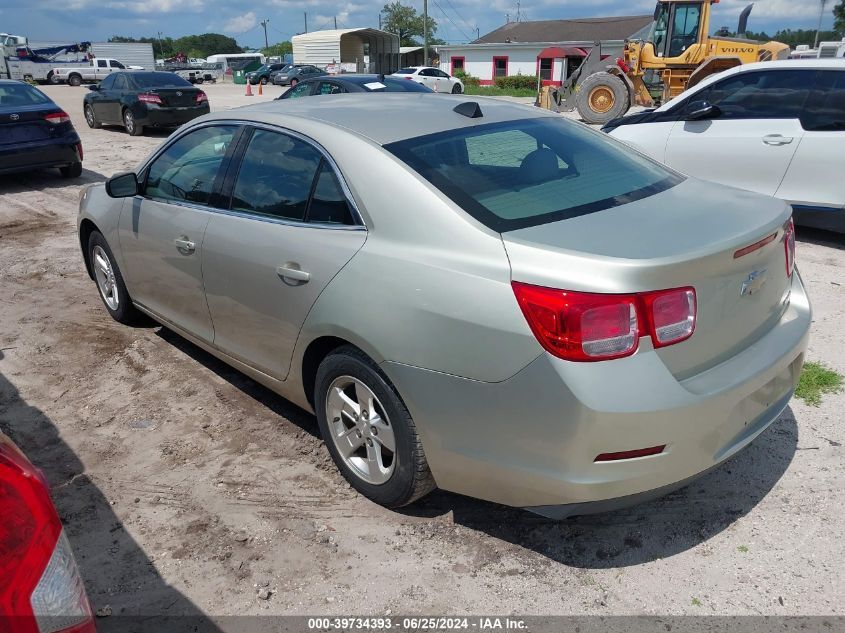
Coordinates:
(305,13)
(508,18)
(160,45)
(264,24)
(335,23)
(819,28)
(425,31)
(477,33)
(379,21)
(518,11)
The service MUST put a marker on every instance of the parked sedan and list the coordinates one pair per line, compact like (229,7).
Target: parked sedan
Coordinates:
(139,100)
(434,78)
(264,73)
(297,73)
(777,128)
(40,587)
(342,84)
(35,132)
(484,297)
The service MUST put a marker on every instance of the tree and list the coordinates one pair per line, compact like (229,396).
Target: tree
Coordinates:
(191,45)
(839,18)
(279,49)
(408,24)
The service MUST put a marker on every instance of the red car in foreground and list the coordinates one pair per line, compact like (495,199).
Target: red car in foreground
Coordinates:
(41,590)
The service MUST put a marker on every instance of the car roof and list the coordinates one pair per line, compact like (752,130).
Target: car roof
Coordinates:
(781,64)
(401,115)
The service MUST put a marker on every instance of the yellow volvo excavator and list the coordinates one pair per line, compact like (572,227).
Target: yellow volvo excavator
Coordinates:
(658,63)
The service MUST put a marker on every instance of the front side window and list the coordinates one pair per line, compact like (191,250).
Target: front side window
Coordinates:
(825,108)
(657,36)
(300,90)
(772,94)
(275,176)
(186,170)
(684,28)
(532,171)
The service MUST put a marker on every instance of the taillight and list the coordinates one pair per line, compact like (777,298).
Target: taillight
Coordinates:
(670,315)
(40,587)
(149,98)
(201,97)
(789,246)
(582,326)
(57,117)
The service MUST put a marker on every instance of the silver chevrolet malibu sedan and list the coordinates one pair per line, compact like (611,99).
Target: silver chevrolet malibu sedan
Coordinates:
(471,295)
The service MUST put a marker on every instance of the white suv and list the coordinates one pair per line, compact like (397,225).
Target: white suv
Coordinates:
(777,128)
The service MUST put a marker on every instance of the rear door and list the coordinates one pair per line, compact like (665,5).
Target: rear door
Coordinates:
(290,229)
(811,180)
(161,231)
(751,143)
(101,69)
(425,77)
(108,98)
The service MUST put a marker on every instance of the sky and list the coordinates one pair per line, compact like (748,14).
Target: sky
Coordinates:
(97,20)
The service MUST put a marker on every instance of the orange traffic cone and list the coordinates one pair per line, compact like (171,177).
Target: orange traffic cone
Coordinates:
(248,90)
(260,91)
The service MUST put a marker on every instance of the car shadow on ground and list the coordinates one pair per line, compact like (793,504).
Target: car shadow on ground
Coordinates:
(820,237)
(278,405)
(45,179)
(658,529)
(153,132)
(105,552)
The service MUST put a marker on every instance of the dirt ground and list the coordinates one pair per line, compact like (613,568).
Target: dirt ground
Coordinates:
(187,488)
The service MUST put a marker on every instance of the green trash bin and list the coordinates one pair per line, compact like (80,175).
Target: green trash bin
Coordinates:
(239,77)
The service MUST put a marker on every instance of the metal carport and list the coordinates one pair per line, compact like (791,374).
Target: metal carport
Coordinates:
(370,50)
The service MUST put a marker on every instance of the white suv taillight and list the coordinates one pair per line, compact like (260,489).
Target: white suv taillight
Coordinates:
(789,246)
(40,587)
(583,326)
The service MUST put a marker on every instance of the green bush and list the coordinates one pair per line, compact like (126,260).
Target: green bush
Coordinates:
(468,80)
(517,82)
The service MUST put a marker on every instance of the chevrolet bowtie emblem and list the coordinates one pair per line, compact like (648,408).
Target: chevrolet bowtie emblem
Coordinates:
(754,282)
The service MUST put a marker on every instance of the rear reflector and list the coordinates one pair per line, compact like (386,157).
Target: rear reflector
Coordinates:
(640,452)
(79,150)
(756,246)
(57,117)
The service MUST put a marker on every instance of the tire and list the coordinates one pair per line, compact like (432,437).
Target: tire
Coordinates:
(122,309)
(602,97)
(263,81)
(408,476)
(133,128)
(52,79)
(91,118)
(71,171)
(456,89)
(74,80)
(198,80)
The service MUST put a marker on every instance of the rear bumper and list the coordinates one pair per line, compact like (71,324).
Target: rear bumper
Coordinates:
(531,440)
(52,153)
(171,117)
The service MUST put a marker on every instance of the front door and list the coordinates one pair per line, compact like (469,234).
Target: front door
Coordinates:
(750,144)
(289,231)
(161,231)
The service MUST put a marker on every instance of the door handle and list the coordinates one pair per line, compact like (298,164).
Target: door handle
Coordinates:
(777,139)
(293,272)
(185,245)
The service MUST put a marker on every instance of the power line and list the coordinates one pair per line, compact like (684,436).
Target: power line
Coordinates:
(460,17)
(445,15)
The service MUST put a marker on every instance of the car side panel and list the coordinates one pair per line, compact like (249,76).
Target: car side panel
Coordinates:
(811,179)
(648,138)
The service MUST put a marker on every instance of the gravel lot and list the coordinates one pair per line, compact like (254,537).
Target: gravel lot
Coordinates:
(187,488)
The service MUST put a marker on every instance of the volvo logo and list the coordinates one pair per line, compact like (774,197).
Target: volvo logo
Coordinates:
(14,117)
(754,282)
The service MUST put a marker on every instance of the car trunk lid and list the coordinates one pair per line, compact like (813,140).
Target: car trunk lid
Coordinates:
(692,234)
(21,124)
(176,97)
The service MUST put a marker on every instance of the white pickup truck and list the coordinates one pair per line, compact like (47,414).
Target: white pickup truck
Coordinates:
(96,70)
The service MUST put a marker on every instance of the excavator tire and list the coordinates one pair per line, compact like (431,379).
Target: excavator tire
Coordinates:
(602,97)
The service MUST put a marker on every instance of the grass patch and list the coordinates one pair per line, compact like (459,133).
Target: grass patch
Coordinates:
(696,602)
(493,91)
(815,380)
(743,548)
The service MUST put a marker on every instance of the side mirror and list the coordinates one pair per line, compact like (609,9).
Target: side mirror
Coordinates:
(122,185)
(698,110)
(94,87)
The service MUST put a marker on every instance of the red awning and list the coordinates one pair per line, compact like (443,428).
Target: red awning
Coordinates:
(556,52)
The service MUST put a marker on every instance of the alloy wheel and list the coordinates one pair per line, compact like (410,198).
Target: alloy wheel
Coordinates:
(106,282)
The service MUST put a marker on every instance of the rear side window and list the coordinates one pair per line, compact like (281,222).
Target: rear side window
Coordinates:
(825,109)
(524,173)
(772,94)
(13,94)
(186,170)
(276,176)
(300,90)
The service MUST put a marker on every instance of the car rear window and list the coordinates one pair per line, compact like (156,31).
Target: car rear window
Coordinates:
(13,94)
(524,173)
(406,71)
(159,80)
